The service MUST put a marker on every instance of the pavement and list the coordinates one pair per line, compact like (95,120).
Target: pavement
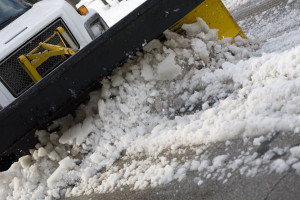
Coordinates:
(262,186)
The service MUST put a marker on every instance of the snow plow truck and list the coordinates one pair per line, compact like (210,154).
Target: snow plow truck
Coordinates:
(53,54)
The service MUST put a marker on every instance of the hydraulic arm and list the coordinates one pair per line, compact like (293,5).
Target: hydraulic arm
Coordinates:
(64,48)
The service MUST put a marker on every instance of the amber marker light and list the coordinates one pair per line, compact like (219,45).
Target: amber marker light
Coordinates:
(82,10)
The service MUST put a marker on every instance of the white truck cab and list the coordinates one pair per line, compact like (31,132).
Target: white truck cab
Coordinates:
(23,26)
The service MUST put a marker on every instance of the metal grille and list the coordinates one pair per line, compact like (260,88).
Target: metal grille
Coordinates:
(11,72)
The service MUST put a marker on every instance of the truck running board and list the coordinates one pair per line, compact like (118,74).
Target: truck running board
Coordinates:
(72,80)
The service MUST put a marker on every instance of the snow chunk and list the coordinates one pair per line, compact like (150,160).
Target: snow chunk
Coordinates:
(296,166)
(25,161)
(117,80)
(219,161)
(78,133)
(194,165)
(64,165)
(147,72)
(42,152)
(279,166)
(258,141)
(154,44)
(295,151)
(196,28)
(168,69)
(200,49)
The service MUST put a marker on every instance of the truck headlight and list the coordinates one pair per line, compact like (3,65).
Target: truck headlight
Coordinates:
(95,26)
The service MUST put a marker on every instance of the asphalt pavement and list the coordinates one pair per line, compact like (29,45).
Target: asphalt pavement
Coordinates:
(262,186)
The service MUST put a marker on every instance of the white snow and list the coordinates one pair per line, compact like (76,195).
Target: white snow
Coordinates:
(168,69)
(78,133)
(279,166)
(258,141)
(25,161)
(155,117)
(64,165)
(296,166)
(295,151)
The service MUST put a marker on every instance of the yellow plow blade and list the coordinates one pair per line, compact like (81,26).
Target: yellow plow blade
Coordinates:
(216,16)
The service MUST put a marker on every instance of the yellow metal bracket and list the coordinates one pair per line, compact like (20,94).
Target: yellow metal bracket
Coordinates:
(44,51)
(216,16)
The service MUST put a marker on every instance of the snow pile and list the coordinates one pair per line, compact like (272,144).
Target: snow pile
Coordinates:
(265,99)
(172,79)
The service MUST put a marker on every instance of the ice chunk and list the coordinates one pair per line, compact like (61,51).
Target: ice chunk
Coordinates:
(42,152)
(295,151)
(147,72)
(296,166)
(279,166)
(70,135)
(195,28)
(154,44)
(53,155)
(200,49)
(168,69)
(219,161)
(25,161)
(64,165)
(117,80)
(194,165)
(258,141)
(78,133)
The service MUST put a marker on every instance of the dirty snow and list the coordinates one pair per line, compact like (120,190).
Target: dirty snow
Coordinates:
(178,97)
